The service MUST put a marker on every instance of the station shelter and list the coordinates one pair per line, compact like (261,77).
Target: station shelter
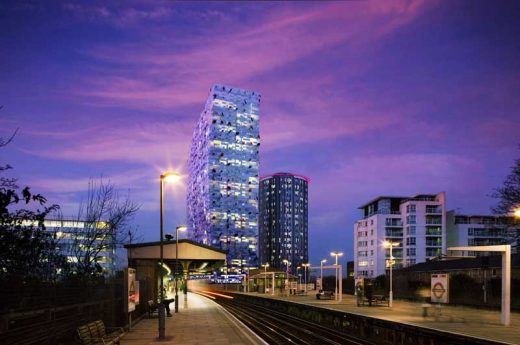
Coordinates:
(193,259)
(264,281)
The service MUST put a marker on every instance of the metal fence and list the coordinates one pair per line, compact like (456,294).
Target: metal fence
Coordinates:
(49,313)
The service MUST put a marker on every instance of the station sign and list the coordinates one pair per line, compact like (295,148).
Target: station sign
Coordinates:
(440,290)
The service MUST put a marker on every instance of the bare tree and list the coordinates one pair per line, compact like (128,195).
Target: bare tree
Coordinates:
(106,218)
(508,196)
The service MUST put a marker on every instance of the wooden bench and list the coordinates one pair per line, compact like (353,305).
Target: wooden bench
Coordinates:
(95,333)
(325,295)
(375,300)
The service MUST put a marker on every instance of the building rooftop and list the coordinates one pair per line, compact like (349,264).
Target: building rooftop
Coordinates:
(286,174)
(419,197)
(148,244)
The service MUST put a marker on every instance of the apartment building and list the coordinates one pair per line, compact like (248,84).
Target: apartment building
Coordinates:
(416,226)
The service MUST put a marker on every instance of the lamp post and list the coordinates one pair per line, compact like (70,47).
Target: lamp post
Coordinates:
(181,228)
(265,276)
(299,277)
(321,272)
(168,176)
(286,262)
(336,254)
(388,244)
(306,266)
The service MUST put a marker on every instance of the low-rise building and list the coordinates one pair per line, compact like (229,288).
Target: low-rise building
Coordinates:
(481,230)
(416,225)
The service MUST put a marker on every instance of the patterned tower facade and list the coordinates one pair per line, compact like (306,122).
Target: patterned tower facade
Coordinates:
(283,232)
(222,196)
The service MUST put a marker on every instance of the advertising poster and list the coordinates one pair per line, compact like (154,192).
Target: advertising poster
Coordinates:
(132,290)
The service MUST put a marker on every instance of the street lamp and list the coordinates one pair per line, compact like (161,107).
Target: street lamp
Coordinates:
(305,279)
(299,277)
(388,244)
(321,272)
(168,177)
(286,262)
(181,228)
(336,254)
(516,212)
(265,276)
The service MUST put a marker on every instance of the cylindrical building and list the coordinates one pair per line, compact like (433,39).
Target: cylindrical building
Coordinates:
(283,220)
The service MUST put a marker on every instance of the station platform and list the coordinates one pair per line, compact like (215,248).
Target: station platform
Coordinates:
(473,322)
(201,321)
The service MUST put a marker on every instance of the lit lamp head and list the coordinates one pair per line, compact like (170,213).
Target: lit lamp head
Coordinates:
(516,212)
(170,177)
(182,228)
(336,253)
(323,261)
(388,244)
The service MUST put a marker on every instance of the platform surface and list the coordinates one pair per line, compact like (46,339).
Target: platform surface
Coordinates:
(201,321)
(480,323)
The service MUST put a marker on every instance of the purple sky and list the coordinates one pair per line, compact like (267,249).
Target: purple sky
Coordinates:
(364,97)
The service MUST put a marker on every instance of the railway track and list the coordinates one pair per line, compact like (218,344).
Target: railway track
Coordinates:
(278,328)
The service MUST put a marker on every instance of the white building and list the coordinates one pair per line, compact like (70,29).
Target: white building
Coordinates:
(480,230)
(417,224)
(75,238)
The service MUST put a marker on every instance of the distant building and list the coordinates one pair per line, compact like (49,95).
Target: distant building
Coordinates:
(417,224)
(74,237)
(350,268)
(283,232)
(222,196)
(480,230)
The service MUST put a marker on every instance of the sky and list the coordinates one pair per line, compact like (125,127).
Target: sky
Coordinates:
(367,98)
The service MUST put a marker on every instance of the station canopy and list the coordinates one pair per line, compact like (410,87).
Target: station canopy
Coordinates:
(197,257)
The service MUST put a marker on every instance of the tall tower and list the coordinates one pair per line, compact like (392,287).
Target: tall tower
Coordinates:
(222,196)
(283,232)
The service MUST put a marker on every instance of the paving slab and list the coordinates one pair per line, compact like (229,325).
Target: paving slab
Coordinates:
(201,321)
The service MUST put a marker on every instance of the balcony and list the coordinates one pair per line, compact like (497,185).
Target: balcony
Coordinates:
(433,210)
(433,221)
(381,212)
(433,251)
(394,223)
(497,233)
(433,243)
(433,232)
(393,233)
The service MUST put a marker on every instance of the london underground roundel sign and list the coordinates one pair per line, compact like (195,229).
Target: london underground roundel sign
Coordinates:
(439,288)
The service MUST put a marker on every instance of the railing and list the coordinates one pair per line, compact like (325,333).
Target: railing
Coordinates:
(433,243)
(397,223)
(381,212)
(487,234)
(434,210)
(393,233)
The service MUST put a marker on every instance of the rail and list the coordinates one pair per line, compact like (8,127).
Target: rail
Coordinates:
(279,328)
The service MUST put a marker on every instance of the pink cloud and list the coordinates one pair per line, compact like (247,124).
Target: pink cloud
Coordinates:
(152,143)
(364,177)
(159,75)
